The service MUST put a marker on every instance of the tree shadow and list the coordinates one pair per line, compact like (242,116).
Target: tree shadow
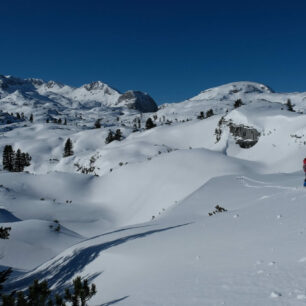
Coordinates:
(114,301)
(64,268)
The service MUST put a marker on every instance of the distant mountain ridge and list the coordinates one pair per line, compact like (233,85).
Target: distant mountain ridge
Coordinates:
(95,94)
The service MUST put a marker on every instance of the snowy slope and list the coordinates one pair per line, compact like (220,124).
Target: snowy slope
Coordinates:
(133,215)
(252,254)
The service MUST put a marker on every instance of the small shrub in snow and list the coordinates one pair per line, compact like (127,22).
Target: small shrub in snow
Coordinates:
(56,226)
(113,136)
(218,209)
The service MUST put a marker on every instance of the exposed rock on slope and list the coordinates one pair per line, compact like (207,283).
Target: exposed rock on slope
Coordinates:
(138,100)
(246,137)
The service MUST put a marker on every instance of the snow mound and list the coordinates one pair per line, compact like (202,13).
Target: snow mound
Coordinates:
(233,89)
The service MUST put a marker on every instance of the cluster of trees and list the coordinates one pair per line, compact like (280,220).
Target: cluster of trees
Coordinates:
(209,113)
(15,161)
(57,121)
(113,136)
(39,293)
(20,116)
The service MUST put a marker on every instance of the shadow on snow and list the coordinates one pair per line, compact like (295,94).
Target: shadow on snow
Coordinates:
(63,269)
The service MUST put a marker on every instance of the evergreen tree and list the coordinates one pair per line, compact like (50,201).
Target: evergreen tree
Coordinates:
(201,116)
(209,113)
(4,275)
(81,292)
(8,158)
(289,106)
(25,159)
(47,120)
(110,137)
(4,232)
(68,149)
(18,162)
(31,118)
(59,121)
(65,122)
(150,124)
(238,103)
(98,124)
(18,116)
(118,135)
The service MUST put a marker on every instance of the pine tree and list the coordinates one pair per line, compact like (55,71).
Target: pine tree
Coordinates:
(4,232)
(68,149)
(65,122)
(118,135)
(8,158)
(201,116)
(289,106)
(150,124)
(18,162)
(59,121)
(25,159)
(81,292)
(209,113)
(31,118)
(238,103)
(110,137)
(4,275)
(18,116)
(98,124)
(47,120)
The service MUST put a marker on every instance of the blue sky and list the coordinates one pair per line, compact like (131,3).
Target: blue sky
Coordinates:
(170,49)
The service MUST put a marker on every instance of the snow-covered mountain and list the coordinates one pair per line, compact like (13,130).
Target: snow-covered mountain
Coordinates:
(35,95)
(138,216)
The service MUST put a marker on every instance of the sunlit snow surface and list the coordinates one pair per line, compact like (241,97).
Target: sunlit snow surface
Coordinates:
(138,226)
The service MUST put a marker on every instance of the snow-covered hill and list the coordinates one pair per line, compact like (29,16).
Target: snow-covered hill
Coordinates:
(135,216)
